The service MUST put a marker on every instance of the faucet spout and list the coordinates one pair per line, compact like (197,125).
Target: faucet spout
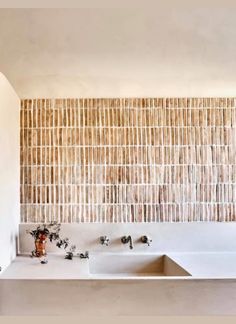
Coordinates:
(127,239)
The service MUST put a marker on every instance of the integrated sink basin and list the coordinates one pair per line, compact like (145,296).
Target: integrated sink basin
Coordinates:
(133,265)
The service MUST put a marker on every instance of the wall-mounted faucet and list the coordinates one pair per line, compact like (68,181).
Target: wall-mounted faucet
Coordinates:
(146,239)
(127,239)
(104,240)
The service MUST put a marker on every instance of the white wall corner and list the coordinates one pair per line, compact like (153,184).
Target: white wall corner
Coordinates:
(9,171)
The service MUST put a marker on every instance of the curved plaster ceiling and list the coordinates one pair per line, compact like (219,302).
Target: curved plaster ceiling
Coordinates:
(170,51)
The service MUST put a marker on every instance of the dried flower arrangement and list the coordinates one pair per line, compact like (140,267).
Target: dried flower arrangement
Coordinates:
(52,232)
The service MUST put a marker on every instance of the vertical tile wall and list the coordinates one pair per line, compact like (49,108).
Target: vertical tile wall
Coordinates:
(128,160)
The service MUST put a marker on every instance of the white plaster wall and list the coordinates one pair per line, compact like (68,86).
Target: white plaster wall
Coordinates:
(167,237)
(184,48)
(9,171)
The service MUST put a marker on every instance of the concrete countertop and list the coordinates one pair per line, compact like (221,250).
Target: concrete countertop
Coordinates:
(207,265)
(218,265)
(25,267)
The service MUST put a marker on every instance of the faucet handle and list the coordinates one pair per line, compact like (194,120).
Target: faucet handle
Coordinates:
(125,239)
(146,239)
(104,240)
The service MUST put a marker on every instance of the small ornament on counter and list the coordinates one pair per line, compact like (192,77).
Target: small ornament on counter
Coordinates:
(70,253)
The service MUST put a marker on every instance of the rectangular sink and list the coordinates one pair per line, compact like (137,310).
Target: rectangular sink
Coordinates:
(133,265)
